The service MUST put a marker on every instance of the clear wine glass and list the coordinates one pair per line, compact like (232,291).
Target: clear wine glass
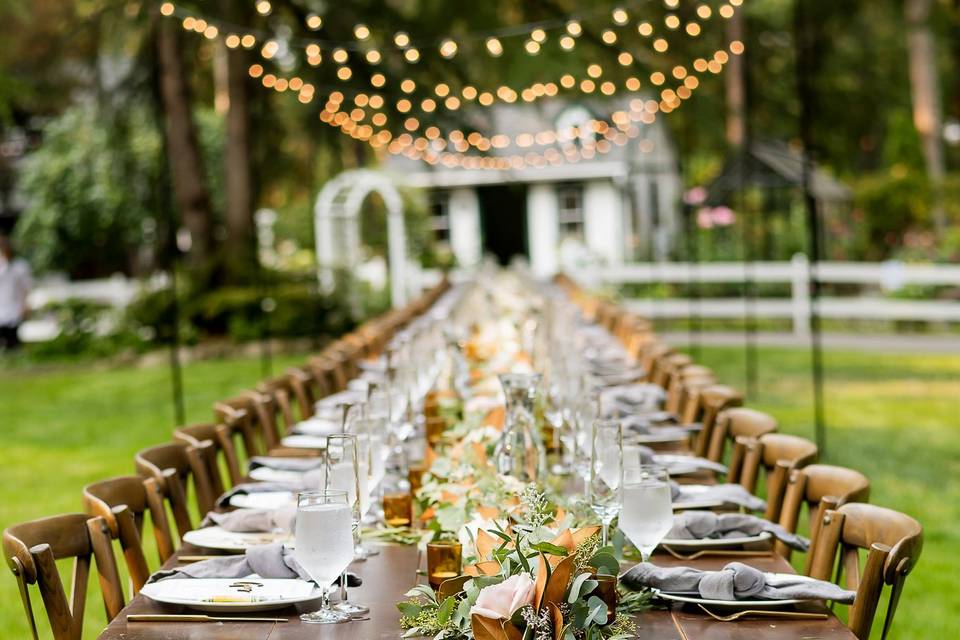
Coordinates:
(323,541)
(345,471)
(606,472)
(647,512)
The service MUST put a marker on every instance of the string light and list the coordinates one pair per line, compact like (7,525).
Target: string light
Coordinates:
(567,43)
(314,22)
(620,17)
(448,48)
(494,47)
(574,28)
(361,32)
(401,39)
(669,99)
(264,8)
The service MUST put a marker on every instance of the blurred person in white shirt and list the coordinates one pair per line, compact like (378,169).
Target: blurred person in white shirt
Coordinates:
(16,281)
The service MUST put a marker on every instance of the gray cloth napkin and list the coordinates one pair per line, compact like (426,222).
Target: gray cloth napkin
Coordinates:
(253,520)
(736,581)
(311,480)
(286,464)
(266,560)
(726,493)
(702,525)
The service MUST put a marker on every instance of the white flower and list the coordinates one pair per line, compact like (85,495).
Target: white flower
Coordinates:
(499,601)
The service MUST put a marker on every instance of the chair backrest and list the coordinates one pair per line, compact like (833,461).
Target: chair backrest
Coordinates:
(714,399)
(257,412)
(279,389)
(777,454)
(681,381)
(820,487)
(734,423)
(667,365)
(170,465)
(893,542)
(123,502)
(307,389)
(329,368)
(651,356)
(209,443)
(32,549)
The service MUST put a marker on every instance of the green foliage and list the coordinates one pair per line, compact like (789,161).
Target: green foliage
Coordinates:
(89,188)
(86,328)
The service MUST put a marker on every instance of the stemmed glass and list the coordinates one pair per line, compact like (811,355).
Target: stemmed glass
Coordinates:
(323,541)
(647,514)
(606,472)
(346,472)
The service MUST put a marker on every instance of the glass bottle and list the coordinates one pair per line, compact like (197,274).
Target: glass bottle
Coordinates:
(520,452)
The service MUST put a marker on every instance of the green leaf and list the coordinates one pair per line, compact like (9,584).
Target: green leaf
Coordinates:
(605,563)
(500,534)
(597,611)
(443,613)
(409,609)
(582,584)
(424,591)
(549,547)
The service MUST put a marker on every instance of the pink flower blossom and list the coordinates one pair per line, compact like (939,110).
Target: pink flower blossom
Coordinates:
(499,601)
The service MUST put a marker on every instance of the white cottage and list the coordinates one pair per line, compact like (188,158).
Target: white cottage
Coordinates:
(614,207)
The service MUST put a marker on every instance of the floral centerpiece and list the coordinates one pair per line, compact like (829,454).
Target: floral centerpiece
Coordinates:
(532,576)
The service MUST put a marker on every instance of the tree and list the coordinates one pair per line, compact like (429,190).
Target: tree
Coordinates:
(925,92)
(187,170)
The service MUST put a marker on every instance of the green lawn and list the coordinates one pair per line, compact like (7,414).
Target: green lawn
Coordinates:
(891,416)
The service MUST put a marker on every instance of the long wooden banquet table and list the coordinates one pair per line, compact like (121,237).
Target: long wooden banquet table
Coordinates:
(388,575)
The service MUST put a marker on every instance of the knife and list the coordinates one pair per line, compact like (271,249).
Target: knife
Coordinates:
(183,617)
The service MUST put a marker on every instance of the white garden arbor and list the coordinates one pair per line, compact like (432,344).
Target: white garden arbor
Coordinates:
(336,218)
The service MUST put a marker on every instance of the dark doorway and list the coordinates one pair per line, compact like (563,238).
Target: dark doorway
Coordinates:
(503,220)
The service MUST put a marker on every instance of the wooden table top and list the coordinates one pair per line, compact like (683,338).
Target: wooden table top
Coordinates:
(387,576)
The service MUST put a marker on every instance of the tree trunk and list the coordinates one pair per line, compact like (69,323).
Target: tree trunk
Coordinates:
(735,84)
(240,252)
(925,92)
(186,162)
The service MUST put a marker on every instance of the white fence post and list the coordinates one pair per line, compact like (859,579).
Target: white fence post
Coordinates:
(800,294)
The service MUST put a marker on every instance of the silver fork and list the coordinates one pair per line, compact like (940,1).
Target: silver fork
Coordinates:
(790,615)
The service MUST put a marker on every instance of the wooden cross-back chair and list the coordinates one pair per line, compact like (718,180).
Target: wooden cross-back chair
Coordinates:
(329,368)
(279,389)
(777,454)
(650,356)
(307,388)
(32,550)
(820,487)
(681,380)
(261,414)
(735,423)
(123,503)
(713,399)
(209,443)
(667,365)
(893,542)
(173,466)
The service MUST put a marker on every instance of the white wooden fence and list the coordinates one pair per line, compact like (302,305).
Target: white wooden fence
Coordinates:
(885,276)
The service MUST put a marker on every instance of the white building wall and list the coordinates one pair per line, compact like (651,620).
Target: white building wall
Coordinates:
(543,228)
(465,236)
(602,219)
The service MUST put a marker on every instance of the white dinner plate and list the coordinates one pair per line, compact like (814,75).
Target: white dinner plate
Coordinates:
(266,474)
(693,502)
(194,593)
(264,500)
(216,537)
(679,465)
(695,598)
(317,426)
(714,543)
(658,438)
(304,442)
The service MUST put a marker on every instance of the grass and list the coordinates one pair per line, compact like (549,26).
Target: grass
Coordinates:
(891,416)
